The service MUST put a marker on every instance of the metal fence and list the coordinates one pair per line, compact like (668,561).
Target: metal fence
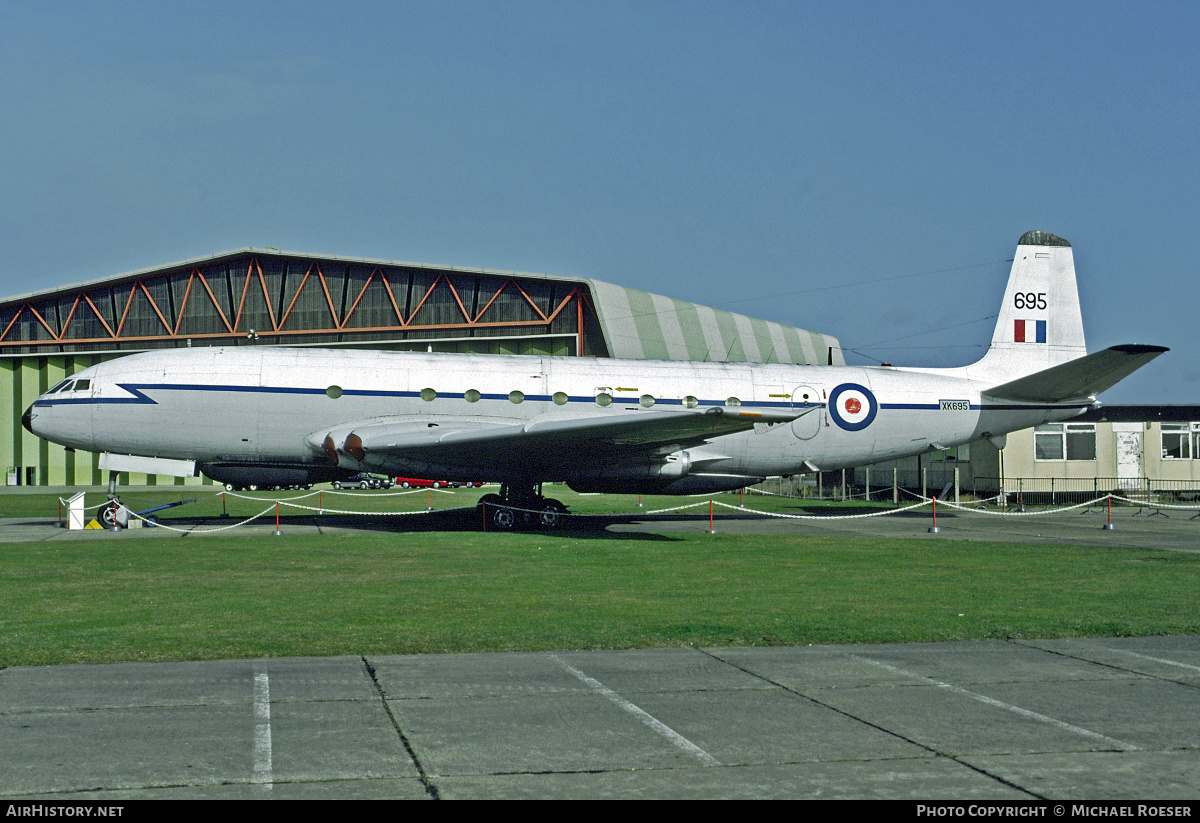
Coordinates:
(1053,491)
(897,485)
(880,485)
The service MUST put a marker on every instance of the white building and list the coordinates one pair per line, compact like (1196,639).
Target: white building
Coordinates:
(1130,449)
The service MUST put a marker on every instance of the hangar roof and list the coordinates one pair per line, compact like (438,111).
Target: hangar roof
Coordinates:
(327,299)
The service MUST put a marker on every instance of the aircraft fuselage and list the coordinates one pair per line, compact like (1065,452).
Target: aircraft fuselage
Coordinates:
(261,405)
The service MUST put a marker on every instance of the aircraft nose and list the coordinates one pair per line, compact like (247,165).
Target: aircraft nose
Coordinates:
(27,420)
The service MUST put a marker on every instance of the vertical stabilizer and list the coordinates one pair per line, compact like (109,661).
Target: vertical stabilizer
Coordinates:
(1039,325)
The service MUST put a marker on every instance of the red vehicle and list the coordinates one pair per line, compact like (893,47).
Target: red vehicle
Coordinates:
(422,483)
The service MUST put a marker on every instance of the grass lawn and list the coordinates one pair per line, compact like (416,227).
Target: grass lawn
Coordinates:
(156,598)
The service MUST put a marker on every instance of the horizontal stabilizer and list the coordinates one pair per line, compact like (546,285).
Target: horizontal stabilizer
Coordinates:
(1077,379)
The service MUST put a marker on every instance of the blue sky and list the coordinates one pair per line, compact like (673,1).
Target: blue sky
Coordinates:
(859,169)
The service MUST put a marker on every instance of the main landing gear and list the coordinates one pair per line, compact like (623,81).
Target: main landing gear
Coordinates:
(522,506)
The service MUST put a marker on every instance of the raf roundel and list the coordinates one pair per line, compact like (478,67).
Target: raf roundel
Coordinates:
(852,406)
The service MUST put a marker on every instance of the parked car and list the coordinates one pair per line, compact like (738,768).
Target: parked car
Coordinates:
(363,481)
(422,483)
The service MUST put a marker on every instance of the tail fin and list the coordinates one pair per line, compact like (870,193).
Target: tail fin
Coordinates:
(1040,325)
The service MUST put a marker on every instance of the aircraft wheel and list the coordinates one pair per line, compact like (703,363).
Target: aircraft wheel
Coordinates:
(229,487)
(108,516)
(504,518)
(551,515)
(253,487)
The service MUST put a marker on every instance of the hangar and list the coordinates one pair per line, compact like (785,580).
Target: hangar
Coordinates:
(265,296)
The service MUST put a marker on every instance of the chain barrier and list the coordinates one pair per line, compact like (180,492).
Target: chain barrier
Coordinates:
(922,501)
(158,524)
(881,513)
(1089,504)
(1146,504)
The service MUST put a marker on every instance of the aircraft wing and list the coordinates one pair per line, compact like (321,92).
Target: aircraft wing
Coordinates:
(489,445)
(1077,379)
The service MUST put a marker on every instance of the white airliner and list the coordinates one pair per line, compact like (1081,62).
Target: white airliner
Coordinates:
(289,416)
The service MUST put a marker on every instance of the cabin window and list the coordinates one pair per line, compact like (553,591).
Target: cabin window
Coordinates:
(647,400)
(690,402)
(428,395)
(603,399)
(732,401)
(333,392)
(560,398)
(516,396)
(471,396)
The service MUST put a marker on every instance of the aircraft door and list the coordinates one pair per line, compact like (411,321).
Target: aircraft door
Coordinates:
(808,400)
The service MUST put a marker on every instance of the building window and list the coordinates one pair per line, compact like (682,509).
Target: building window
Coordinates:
(1181,441)
(1081,441)
(1069,441)
(956,454)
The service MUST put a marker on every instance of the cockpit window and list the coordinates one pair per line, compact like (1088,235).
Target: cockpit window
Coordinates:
(82,385)
(59,386)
